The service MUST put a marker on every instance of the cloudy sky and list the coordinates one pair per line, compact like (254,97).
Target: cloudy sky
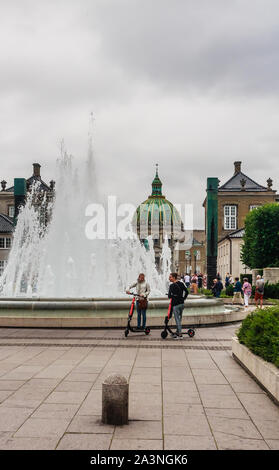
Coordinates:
(189,84)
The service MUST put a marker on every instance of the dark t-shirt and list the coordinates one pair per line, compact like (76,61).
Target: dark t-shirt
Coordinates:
(238,287)
(178,292)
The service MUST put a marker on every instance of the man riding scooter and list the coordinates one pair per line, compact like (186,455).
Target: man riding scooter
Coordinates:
(178,292)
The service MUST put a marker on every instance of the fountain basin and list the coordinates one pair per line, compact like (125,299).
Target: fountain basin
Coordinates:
(107,313)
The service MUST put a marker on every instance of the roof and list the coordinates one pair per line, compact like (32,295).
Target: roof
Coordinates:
(42,187)
(197,242)
(234,184)
(157,209)
(6,224)
(235,234)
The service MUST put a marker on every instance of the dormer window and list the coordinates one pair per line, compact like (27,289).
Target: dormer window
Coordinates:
(230,217)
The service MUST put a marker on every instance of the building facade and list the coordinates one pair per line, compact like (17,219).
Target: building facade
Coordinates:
(229,255)
(7,209)
(190,255)
(236,198)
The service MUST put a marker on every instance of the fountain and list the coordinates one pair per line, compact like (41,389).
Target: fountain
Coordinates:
(61,275)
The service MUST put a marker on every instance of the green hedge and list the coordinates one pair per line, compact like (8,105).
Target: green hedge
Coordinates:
(229,290)
(271,291)
(260,333)
(205,291)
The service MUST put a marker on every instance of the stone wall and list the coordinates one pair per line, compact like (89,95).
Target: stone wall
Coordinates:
(271,275)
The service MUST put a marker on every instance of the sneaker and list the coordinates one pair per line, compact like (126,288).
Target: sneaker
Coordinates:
(174,336)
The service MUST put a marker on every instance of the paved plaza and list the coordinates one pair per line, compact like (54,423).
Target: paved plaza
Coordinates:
(184,394)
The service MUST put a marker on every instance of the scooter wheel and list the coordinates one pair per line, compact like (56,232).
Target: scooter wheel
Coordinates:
(164,334)
(126,332)
(191,332)
(147,331)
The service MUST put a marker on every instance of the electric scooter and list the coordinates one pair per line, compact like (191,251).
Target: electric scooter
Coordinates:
(130,316)
(167,329)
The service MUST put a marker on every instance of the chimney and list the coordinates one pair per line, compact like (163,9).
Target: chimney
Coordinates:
(37,170)
(237,167)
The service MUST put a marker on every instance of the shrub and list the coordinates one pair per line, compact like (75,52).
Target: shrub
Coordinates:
(260,333)
(271,291)
(229,290)
(206,291)
(261,248)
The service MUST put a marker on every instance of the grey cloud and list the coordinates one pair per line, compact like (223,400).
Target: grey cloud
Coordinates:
(192,85)
(232,47)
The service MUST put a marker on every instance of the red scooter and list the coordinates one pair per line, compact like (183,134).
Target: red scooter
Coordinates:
(129,328)
(190,332)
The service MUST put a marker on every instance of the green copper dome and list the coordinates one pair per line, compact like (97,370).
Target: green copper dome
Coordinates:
(157,210)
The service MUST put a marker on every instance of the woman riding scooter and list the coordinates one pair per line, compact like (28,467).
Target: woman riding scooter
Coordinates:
(143,291)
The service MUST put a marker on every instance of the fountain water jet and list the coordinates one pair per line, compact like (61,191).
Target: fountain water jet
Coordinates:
(57,277)
(59,260)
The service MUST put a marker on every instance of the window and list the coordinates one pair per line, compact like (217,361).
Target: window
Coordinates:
(230,217)
(11,211)
(8,243)
(5,243)
(198,255)
(254,206)
(2,266)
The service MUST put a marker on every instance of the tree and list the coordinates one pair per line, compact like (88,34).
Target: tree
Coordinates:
(261,238)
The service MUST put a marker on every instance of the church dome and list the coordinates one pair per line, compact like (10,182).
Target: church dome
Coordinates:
(157,211)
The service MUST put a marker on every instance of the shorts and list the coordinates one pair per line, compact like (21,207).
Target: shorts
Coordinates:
(258,296)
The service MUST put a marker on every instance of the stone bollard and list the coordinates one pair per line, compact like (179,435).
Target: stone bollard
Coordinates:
(115,400)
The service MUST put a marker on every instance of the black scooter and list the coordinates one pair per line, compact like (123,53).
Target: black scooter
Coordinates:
(130,316)
(190,332)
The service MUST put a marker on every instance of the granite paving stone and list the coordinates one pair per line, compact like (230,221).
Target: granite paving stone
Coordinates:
(259,405)
(11,384)
(55,410)
(68,386)
(51,397)
(234,426)
(85,442)
(183,409)
(30,443)
(273,444)
(89,424)
(188,426)
(230,442)
(139,430)
(239,413)
(189,442)
(69,397)
(47,427)
(5,394)
(12,418)
(213,377)
(136,444)
(267,427)
(213,400)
